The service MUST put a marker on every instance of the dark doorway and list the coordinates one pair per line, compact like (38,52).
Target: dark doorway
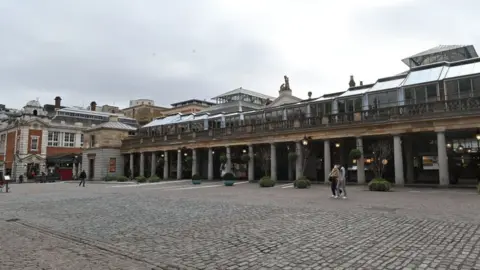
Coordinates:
(91,168)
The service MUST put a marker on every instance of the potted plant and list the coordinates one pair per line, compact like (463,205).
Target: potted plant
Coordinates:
(160,160)
(153,179)
(223,158)
(245,158)
(355,154)
(379,184)
(266,181)
(228,179)
(302,183)
(141,179)
(196,179)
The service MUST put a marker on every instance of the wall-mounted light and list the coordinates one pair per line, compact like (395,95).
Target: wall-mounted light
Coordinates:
(213,152)
(179,150)
(244,151)
(478,135)
(162,155)
(460,148)
(385,162)
(449,145)
(306,140)
(185,154)
(337,145)
(354,161)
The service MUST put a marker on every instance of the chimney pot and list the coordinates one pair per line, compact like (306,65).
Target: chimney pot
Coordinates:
(352,81)
(361,83)
(58,102)
(93,106)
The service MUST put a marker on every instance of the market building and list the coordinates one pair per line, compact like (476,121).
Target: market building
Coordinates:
(429,114)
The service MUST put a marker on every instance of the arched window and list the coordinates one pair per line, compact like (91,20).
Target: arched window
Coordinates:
(35,113)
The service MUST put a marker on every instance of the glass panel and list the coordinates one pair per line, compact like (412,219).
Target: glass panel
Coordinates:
(476,86)
(420,94)
(410,96)
(358,105)
(328,108)
(350,106)
(452,89)
(431,93)
(341,106)
(392,98)
(465,88)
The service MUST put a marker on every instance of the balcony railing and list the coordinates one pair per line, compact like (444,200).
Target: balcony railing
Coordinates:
(442,108)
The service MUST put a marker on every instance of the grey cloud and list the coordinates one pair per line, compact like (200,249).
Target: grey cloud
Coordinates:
(111,52)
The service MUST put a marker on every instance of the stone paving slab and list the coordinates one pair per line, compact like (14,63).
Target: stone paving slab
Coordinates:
(240,227)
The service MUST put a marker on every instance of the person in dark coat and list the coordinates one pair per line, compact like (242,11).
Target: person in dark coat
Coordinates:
(82,177)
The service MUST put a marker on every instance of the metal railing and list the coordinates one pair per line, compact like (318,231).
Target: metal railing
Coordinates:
(443,108)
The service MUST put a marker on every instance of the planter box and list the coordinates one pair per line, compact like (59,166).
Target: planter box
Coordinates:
(196,182)
(228,183)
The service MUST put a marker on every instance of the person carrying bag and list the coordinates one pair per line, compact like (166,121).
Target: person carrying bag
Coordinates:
(333,178)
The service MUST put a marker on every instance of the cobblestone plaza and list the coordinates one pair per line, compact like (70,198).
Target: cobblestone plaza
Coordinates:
(174,225)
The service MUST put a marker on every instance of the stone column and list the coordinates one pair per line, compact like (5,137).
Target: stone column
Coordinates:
(210,164)
(166,165)
(142,164)
(398,160)
(327,158)
(299,161)
(360,163)
(251,164)
(131,165)
(179,164)
(442,159)
(194,162)
(153,169)
(229,160)
(408,147)
(273,161)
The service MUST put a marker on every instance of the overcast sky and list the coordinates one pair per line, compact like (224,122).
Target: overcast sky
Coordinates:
(111,51)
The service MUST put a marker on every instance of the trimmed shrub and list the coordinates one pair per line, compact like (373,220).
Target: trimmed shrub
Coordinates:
(228,176)
(122,179)
(379,184)
(154,179)
(266,181)
(196,177)
(161,160)
(355,154)
(223,158)
(302,182)
(140,179)
(245,158)
(109,178)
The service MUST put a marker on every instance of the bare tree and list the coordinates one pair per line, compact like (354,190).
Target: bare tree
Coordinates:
(381,150)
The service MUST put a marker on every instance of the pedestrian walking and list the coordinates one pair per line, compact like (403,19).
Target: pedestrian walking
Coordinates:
(341,183)
(333,178)
(82,177)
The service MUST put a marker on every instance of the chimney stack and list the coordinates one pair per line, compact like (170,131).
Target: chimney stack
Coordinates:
(58,102)
(352,81)
(361,83)
(93,106)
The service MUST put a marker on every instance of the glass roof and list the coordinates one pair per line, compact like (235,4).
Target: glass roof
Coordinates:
(463,70)
(391,84)
(355,92)
(424,76)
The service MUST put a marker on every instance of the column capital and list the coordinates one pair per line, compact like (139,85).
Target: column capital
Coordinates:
(440,130)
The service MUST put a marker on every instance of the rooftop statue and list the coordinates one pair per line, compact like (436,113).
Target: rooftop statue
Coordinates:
(286,85)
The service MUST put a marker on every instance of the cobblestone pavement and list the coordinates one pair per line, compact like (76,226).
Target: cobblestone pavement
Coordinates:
(179,226)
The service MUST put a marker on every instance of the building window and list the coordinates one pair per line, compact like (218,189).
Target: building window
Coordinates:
(92,140)
(53,138)
(34,143)
(3,139)
(81,140)
(69,139)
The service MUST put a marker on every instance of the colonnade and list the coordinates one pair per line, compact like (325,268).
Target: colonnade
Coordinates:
(299,167)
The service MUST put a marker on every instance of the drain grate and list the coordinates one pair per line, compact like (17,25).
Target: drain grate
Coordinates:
(12,220)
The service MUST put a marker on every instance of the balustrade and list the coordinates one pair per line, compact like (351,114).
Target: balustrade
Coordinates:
(448,107)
